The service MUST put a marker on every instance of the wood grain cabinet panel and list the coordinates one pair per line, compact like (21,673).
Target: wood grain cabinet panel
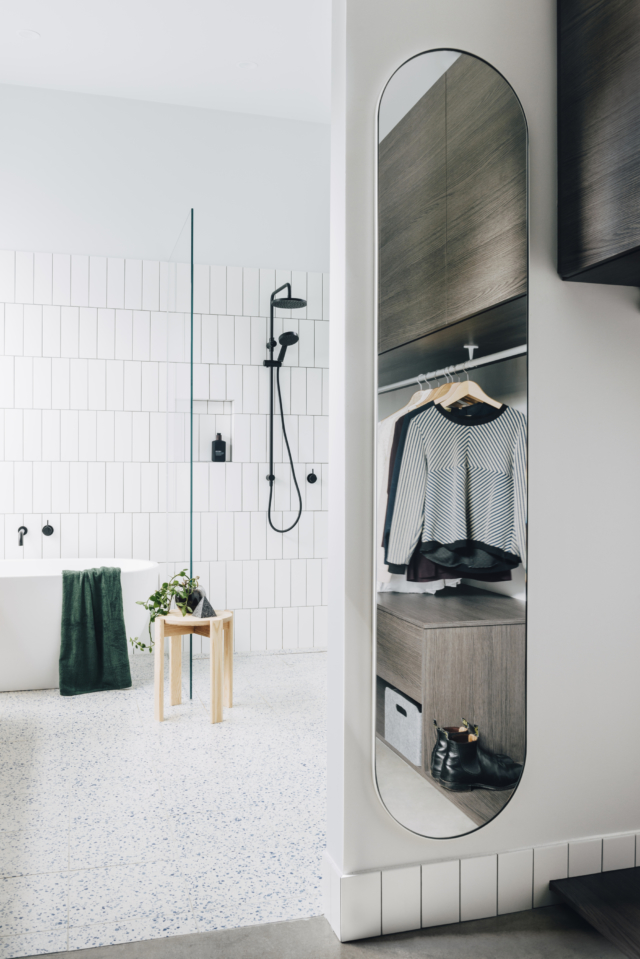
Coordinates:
(400,654)
(599,141)
(412,217)
(486,190)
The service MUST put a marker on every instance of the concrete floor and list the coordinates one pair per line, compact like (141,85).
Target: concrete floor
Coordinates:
(551,933)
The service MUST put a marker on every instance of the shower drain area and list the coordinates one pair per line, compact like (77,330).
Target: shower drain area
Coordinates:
(116,828)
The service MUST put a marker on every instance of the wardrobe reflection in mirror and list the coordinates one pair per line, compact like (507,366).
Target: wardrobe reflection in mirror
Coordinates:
(450,536)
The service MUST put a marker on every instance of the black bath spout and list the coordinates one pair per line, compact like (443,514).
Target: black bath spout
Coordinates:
(22,530)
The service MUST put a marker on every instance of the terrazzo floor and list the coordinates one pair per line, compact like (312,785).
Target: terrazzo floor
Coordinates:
(115,828)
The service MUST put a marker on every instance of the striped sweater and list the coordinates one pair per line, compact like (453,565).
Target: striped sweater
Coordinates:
(460,488)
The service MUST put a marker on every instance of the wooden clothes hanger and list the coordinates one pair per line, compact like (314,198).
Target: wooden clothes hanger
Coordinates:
(466,390)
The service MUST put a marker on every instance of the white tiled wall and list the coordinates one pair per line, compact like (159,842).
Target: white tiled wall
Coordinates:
(84,438)
(368,904)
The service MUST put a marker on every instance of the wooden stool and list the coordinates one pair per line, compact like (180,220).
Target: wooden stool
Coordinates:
(219,629)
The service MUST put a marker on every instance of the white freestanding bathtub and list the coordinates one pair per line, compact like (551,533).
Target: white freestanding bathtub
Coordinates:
(31,612)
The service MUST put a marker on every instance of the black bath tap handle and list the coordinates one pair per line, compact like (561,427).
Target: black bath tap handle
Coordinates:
(48,529)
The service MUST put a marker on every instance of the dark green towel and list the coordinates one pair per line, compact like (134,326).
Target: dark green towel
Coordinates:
(93,642)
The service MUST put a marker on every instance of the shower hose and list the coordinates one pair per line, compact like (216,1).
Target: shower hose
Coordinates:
(293,472)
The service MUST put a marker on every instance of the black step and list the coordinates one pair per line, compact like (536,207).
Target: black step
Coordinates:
(610,902)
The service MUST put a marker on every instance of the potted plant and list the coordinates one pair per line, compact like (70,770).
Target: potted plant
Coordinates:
(181,588)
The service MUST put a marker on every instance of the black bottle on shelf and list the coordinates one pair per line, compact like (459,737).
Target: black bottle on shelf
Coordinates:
(218,449)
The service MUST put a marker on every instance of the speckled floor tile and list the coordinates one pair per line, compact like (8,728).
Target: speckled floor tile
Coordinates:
(33,903)
(170,827)
(118,893)
(109,933)
(33,943)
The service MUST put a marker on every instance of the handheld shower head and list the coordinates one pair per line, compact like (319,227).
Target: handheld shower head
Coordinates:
(285,340)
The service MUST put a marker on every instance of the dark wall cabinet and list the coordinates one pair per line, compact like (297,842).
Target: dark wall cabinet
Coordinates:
(452,205)
(599,141)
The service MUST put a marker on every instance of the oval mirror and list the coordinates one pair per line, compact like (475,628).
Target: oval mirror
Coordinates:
(450,721)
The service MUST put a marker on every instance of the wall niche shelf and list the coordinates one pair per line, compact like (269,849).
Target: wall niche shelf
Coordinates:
(599,141)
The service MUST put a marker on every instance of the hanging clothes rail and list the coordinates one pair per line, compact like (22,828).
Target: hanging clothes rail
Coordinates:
(458,368)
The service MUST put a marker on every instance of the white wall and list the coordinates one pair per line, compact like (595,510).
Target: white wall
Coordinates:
(115,177)
(84,440)
(583,650)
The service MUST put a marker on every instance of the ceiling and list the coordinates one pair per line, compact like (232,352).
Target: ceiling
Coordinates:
(184,52)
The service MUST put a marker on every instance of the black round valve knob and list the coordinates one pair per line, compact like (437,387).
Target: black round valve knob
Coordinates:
(311,477)
(47,530)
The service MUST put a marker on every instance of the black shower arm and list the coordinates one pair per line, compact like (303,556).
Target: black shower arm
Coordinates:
(271,345)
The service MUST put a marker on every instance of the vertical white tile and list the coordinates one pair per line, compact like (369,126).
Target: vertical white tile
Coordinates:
(305,536)
(618,852)
(233,486)
(234,583)
(200,381)
(306,439)
(183,288)
(6,488)
(298,400)
(251,291)
(305,627)
(299,289)
(274,628)
(69,536)
(43,278)
(105,535)
(325,296)
(114,487)
(124,335)
(585,858)
(400,900)
(61,279)
(200,288)
(150,285)
(149,487)
(32,330)
(325,392)
(23,488)
(241,449)
(150,387)
(266,583)
(209,339)
(250,487)
(105,435)
(321,343)
(60,385)
(51,331)
(234,387)
(78,486)
(115,385)
(7,392)
(123,535)
(314,582)
(320,534)
(133,285)
(306,347)
(258,536)
(23,385)
(242,538)
(97,281)
(50,435)
(69,435)
(13,434)
(209,536)
(478,887)
(290,628)
(314,296)
(320,627)
(115,283)
(242,340)
(360,906)
(217,382)
(218,289)
(7,276)
(97,384)
(42,487)
(314,392)
(140,536)
(234,291)
(241,629)
(515,881)
(258,340)
(32,446)
(282,582)
(97,489)
(106,339)
(549,862)
(14,329)
(140,438)
(88,333)
(267,286)
(226,339)
(24,277)
(132,385)
(87,536)
(141,335)
(250,585)
(321,438)
(258,629)
(60,487)
(225,536)
(69,331)
(79,281)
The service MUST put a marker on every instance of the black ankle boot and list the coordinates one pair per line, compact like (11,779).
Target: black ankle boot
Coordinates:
(439,751)
(468,767)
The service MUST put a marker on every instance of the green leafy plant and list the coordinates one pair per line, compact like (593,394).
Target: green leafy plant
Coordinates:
(179,588)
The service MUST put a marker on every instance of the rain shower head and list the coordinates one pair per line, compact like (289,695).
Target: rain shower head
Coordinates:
(288,303)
